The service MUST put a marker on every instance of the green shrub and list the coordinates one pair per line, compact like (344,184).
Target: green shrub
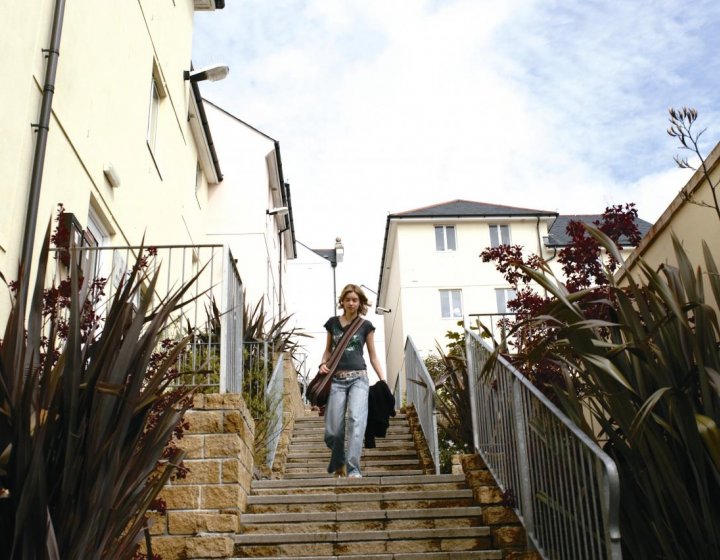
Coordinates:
(86,416)
(448,371)
(651,379)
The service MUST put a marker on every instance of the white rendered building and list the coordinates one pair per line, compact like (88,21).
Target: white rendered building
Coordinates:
(432,277)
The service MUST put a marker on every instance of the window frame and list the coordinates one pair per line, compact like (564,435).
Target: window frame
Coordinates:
(507,295)
(444,238)
(158,91)
(449,294)
(198,183)
(153,116)
(496,235)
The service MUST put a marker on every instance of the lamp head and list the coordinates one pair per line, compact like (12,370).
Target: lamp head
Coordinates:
(211,73)
(339,250)
(281,210)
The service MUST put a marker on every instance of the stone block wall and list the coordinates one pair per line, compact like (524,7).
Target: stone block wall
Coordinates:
(203,509)
(426,461)
(293,407)
(508,534)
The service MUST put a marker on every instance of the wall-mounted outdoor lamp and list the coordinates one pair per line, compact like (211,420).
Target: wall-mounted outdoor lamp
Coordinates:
(112,175)
(210,73)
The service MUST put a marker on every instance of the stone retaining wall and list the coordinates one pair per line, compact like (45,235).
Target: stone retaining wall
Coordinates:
(426,461)
(203,509)
(507,532)
(293,407)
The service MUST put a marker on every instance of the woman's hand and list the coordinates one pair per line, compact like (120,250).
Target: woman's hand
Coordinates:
(324,370)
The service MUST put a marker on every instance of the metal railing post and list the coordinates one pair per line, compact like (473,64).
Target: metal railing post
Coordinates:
(421,394)
(225,383)
(471,367)
(567,487)
(274,404)
(523,460)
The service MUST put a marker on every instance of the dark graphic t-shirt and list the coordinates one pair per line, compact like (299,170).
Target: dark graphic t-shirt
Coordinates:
(352,358)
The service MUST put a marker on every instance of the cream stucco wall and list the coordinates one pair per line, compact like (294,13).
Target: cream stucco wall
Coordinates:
(100,116)
(691,223)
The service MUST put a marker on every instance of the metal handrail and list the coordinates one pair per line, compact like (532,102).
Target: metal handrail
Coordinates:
(213,360)
(274,406)
(397,393)
(562,486)
(421,394)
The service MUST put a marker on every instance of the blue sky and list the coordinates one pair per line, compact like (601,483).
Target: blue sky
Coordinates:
(382,106)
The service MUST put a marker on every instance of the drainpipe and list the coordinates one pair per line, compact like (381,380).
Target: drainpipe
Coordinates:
(280,243)
(42,128)
(540,247)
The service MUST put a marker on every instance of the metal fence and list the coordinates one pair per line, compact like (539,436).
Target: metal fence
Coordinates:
(397,393)
(563,487)
(274,400)
(258,363)
(231,332)
(496,325)
(421,394)
(210,312)
(300,362)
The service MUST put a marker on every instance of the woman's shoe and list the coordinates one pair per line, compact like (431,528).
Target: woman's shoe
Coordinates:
(355,475)
(340,473)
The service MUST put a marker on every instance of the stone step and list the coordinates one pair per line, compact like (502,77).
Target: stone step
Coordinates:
(380,443)
(320,428)
(364,542)
(319,485)
(373,472)
(366,523)
(400,436)
(365,462)
(359,501)
(373,452)
(363,525)
(397,420)
(461,555)
(320,450)
(309,419)
(392,425)
(429,517)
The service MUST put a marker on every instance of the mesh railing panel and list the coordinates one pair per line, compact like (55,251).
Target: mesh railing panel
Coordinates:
(563,487)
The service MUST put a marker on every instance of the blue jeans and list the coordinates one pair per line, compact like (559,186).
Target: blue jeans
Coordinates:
(349,395)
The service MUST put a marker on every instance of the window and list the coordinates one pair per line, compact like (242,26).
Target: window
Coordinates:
(445,238)
(499,235)
(451,304)
(198,183)
(157,92)
(153,115)
(503,296)
(94,238)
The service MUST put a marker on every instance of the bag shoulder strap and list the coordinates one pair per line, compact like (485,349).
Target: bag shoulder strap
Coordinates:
(351,329)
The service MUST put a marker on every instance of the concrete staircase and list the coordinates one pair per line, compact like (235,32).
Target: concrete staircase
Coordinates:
(395,512)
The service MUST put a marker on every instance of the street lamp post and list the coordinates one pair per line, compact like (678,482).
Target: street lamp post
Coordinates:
(334,256)
(338,254)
